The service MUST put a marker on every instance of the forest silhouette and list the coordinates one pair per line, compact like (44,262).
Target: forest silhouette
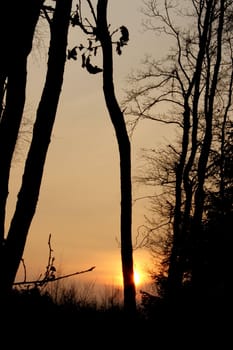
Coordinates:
(190,232)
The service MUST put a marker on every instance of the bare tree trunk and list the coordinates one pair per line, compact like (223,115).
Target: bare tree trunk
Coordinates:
(175,272)
(182,213)
(19,19)
(118,122)
(198,277)
(33,172)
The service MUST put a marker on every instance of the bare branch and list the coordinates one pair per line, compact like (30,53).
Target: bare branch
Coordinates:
(36,282)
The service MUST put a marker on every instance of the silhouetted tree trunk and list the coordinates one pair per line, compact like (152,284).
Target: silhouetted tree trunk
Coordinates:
(124,146)
(198,278)
(184,182)
(33,172)
(17,26)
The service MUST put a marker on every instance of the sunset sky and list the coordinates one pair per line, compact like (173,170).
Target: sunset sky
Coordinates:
(79,203)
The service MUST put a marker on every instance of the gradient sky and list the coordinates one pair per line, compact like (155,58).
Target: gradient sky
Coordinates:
(79,203)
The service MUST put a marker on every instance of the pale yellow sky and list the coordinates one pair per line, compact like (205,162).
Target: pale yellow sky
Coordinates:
(79,203)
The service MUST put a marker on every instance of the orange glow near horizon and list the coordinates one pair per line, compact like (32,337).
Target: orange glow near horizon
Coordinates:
(140,278)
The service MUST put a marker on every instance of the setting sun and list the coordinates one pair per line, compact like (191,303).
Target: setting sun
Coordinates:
(137,278)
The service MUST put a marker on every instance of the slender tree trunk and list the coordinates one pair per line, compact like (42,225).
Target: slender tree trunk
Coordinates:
(118,122)
(182,213)
(19,19)
(33,172)
(175,272)
(198,276)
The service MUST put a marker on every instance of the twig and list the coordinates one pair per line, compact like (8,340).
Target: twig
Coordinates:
(55,278)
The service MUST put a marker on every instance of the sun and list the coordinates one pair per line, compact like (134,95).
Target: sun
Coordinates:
(137,278)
